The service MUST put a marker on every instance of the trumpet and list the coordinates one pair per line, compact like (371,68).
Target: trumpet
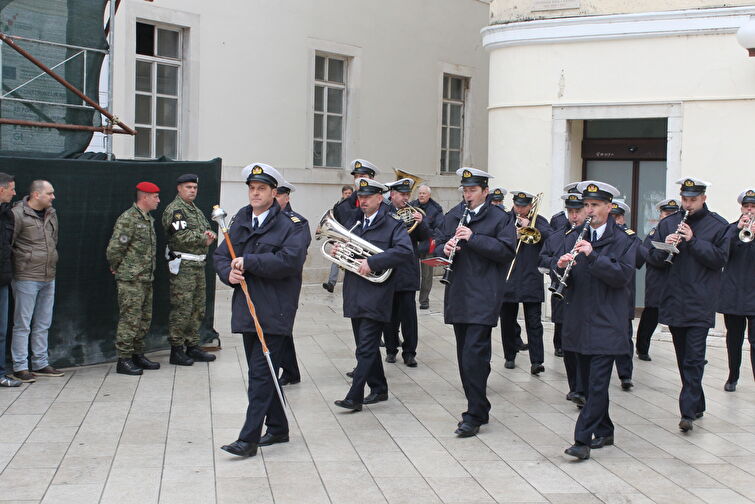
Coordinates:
(746,233)
(406,214)
(446,280)
(351,248)
(557,286)
(671,254)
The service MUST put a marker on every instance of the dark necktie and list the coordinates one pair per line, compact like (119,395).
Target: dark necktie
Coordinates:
(255,223)
(365,224)
(594,236)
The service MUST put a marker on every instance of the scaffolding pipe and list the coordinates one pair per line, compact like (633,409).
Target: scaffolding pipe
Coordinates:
(76,127)
(110,71)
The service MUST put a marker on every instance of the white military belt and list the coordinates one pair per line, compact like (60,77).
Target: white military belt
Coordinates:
(185,256)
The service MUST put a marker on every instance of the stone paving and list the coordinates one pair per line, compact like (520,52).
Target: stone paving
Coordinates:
(95,436)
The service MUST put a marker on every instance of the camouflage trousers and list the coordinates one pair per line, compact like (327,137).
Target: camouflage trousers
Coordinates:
(135,307)
(187,305)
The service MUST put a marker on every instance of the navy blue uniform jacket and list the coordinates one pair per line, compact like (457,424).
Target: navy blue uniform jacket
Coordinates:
(655,277)
(273,255)
(596,306)
(346,210)
(550,248)
(526,282)
(306,235)
(365,299)
(433,219)
(559,221)
(737,291)
(407,273)
(694,279)
(479,268)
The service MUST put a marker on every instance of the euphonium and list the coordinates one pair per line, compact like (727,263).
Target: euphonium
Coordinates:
(746,233)
(351,248)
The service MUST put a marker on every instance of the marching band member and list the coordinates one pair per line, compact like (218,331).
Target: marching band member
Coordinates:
(483,246)
(346,211)
(368,304)
(496,197)
(407,278)
(560,219)
(525,285)
(688,301)
(736,300)
(654,278)
(595,311)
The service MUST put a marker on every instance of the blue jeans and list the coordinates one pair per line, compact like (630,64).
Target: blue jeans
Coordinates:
(3,326)
(31,322)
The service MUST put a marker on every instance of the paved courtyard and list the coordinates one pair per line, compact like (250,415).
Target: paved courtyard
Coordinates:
(95,436)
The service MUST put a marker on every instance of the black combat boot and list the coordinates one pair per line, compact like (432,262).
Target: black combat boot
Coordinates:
(127,367)
(143,362)
(178,357)
(198,354)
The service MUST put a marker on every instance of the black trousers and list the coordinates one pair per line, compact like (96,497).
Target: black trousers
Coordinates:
(689,344)
(473,354)
(403,315)
(573,376)
(532,323)
(648,323)
(264,405)
(369,368)
(624,365)
(735,335)
(594,419)
(289,366)
(557,327)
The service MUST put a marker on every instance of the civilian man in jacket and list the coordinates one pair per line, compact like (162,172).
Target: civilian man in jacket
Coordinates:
(736,300)
(654,279)
(7,191)
(35,257)
(131,254)
(270,256)
(596,310)
(484,247)
(433,219)
(688,302)
(369,304)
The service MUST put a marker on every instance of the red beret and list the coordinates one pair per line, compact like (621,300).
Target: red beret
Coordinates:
(148,187)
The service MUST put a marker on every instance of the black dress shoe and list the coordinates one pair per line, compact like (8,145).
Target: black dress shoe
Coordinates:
(349,404)
(730,386)
(199,355)
(270,439)
(524,347)
(578,399)
(558,352)
(390,358)
(410,361)
(600,442)
(424,307)
(141,361)
(509,364)
(287,380)
(644,356)
(375,398)
(240,448)
(179,358)
(685,424)
(536,369)
(626,383)
(350,374)
(570,396)
(328,286)
(467,430)
(127,367)
(580,451)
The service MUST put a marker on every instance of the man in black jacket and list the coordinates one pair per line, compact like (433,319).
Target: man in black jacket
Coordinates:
(688,302)
(369,304)
(434,220)
(7,191)
(736,300)
(270,252)
(346,211)
(654,278)
(407,279)
(483,246)
(596,310)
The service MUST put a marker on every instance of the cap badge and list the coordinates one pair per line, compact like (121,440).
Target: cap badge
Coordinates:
(257,170)
(357,164)
(363,183)
(689,183)
(466,174)
(592,188)
(750,193)
(572,197)
(521,195)
(497,192)
(673,203)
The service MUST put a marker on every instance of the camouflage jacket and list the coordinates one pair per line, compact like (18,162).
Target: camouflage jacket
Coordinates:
(131,251)
(185,225)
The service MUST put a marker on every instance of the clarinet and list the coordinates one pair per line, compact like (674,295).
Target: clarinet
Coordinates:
(559,291)
(671,254)
(446,280)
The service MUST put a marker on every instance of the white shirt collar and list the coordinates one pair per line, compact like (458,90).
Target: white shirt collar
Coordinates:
(599,231)
(477,208)
(369,219)
(261,217)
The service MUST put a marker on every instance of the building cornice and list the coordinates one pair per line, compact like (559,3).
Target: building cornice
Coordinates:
(619,26)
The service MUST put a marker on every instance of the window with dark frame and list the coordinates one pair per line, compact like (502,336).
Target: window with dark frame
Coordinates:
(452,123)
(329,110)
(157,98)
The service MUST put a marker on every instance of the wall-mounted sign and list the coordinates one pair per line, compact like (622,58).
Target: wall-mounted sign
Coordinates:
(546,5)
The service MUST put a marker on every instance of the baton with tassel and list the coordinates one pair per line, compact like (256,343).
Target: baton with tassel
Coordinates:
(219,215)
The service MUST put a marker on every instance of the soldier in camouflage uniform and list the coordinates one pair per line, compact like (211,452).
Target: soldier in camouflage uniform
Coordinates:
(189,236)
(131,254)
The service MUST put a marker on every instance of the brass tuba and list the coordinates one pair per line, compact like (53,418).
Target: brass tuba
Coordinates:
(406,213)
(351,248)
